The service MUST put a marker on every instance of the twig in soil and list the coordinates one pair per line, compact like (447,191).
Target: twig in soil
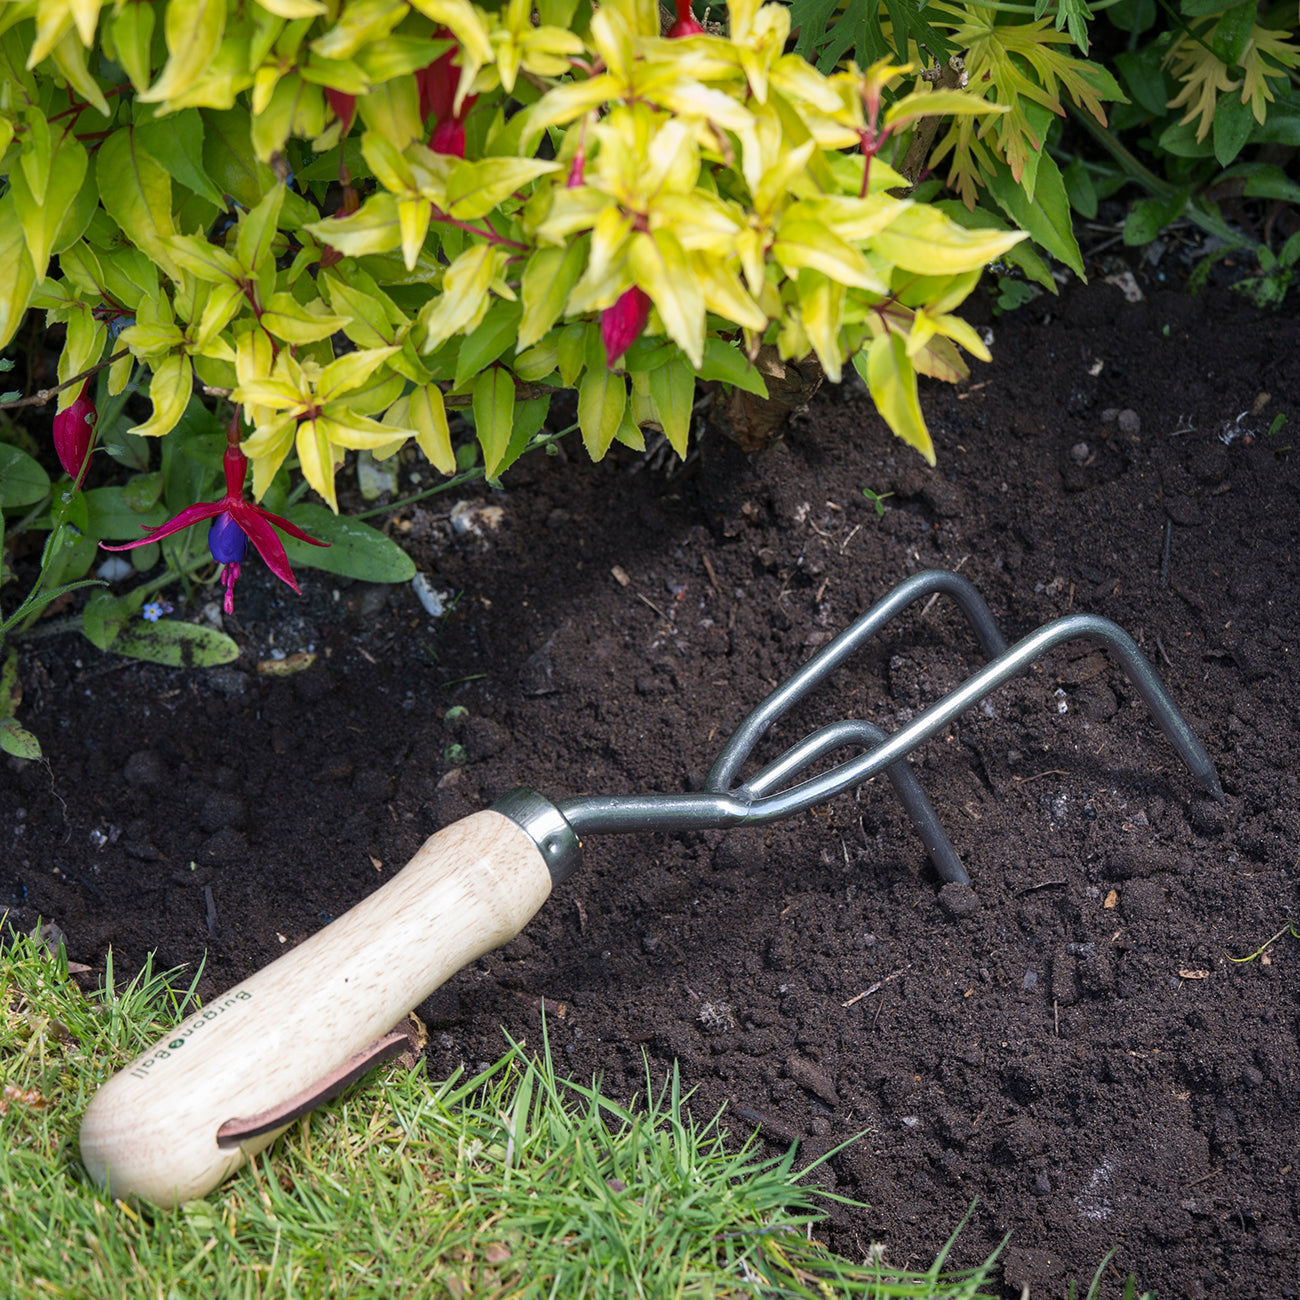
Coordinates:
(713,577)
(1046,884)
(645,600)
(1051,771)
(878,985)
(1204,1178)
(1164,654)
(1164,561)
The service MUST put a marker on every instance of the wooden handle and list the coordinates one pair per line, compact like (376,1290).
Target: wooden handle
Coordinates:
(151,1131)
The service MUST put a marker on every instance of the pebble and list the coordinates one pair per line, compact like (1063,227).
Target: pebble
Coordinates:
(812,1079)
(958,901)
(144,767)
(221,809)
(1129,422)
(229,681)
(1080,452)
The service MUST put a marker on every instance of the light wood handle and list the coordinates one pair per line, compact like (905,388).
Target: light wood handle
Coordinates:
(151,1131)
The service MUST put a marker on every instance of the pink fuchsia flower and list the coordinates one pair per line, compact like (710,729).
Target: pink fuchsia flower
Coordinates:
(74,432)
(685,24)
(621,324)
(235,521)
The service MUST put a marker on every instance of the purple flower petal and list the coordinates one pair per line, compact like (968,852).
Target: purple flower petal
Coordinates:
(226,539)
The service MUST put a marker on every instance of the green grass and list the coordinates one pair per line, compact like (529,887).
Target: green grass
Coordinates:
(514,1183)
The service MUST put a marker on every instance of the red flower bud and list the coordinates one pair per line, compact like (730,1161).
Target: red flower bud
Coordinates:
(577,169)
(449,137)
(344,106)
(621,324)
(74,432)
(437,82)
(685,24)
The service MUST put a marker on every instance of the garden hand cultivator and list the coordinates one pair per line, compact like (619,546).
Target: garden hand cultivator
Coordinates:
(229,1079)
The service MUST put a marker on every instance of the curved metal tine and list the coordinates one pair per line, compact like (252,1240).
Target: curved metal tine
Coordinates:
(938,847)
(834,653)
(1089,627)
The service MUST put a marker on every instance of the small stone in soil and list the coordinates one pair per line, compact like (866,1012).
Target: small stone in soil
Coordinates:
(221,809)
(144,767)
(812,1079)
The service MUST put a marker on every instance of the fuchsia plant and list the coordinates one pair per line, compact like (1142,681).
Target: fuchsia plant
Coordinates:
(235,521)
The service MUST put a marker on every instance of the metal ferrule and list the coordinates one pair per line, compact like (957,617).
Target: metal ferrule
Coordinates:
(546,826)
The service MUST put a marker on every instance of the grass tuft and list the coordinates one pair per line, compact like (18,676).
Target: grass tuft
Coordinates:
(512,1183)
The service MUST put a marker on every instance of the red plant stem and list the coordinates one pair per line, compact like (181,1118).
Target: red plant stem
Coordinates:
(489,234)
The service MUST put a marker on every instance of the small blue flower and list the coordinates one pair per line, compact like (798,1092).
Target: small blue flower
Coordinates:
(155,609)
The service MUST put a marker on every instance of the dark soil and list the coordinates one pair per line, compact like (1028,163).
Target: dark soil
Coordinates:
(1069,1046)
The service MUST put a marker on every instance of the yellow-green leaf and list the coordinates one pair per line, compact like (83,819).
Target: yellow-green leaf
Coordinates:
(891,378)
(193,30)
(316,459)
(83,346)
(802,242)
(549,276)
(169,389)
(490,338)
(571,351)
(494,415)
(42,217)
(393,110)
(373,229)
(661,269)
(137,193)
(821,307)
(924,240)
(475,188)
(602,397)
(413,222)
(464,299)
(939,103)
(291,9)
(133,41)
(537,362)
(350,371)
(290,320)
(428,416)
(208,262)
(383,158)
(672,389)
(359,24)
(257,229)
(70,58)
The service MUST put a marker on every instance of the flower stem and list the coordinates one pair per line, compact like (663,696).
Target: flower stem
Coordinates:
(489,234)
